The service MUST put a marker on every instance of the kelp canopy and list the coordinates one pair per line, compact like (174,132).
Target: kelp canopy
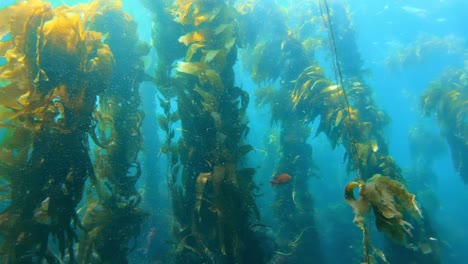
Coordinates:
(57,64)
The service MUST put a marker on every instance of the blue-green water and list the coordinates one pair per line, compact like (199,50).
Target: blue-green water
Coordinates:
(398,48)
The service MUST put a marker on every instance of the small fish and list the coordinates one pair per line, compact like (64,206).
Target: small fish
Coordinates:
(280,179)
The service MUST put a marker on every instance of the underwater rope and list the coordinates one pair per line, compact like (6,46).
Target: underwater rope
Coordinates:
(339,78)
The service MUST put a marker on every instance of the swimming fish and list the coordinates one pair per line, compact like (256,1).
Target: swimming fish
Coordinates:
(280,179)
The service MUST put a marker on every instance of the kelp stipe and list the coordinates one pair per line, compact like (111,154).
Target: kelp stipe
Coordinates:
(367,153)
(55,70)
(112,216)
(211,193)
(273,56)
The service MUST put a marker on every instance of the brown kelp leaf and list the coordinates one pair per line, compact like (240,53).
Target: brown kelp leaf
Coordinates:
(216,59)
(212,77)
(192,68)
(9,96)
(202,178)
(193,37)
(194,47)
(391,202)
(339,116)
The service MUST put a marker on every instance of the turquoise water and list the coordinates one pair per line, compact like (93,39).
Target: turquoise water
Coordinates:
(395,49)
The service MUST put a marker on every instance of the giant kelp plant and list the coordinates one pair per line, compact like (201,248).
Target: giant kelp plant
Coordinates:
(211,192)
(350,118)
(447,99)
(56,67)
(113,216)
(275,55)
(422,49)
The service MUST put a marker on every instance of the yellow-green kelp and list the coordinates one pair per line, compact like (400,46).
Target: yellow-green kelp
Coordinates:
(211,192)
(447,99)
(55,69)
(112,216)
(275,56)
(58,63)
(350,118)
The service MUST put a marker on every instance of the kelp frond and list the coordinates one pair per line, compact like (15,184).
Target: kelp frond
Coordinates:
(394,207)
(447,99)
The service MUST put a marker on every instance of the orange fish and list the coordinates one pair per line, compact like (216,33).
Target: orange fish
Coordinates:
(280,179)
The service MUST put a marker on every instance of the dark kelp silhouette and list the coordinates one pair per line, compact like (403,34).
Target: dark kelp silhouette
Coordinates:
(447,98)
(276,56)
(211,192)
(113,216)
(380,180)
(56,67)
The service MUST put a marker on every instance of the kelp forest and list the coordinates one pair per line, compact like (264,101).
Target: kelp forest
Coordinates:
(206,141)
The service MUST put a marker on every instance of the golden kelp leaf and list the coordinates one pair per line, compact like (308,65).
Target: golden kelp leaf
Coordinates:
(214,79)
(306,84)
(181,11)
(202,178)
(103,63)
(194,47)
(209,99)
(317,83)
(4,46)
(392,202)
(216,59)
(339,116)
(9,96)
(312,43)
(330,88)
(207,16)
(374,145)
(90,208)
(192,68)
(229,43)
(196,36)
(222,28)
(64,34)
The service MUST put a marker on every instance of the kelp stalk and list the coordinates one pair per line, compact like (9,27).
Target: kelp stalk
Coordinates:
(211,194)
(279,57)
(55,69)
(113,216)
